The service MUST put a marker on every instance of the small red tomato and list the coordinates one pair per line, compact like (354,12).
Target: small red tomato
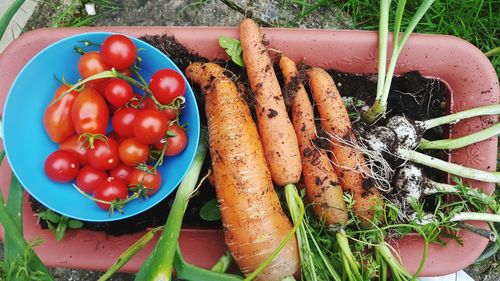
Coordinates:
(123,121)
(89,177)
(150,126)
(104,155)
(118,92)
(72,144)
(134,102)
(171,114)
(61,166)
(109,190)
(121,172)
(133,152)
(176,140)
(90,113)
(166,85)
(148,181)
(119,51)
(92,63)
(57,117)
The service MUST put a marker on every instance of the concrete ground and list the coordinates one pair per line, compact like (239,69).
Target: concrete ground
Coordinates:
(41,13)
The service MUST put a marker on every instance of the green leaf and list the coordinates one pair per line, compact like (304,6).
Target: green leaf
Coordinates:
(60,230)
(233,49)
(52,217)
(210,211)
(75,224)
(15,210)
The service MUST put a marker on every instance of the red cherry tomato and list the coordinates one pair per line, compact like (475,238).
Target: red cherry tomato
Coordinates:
(57,117)
(150,126)
(149,181)
(123,121)
(92,63)
(119,51)
(72,144)
(121,172)
(133,152)
(171,114)
(118,92)
(104,155)
(88,178)
(166,85)
(61,166)
(109,190)
(90,112)
(176,143)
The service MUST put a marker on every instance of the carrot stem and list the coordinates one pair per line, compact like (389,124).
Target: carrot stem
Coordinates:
(493,109)
(463,141)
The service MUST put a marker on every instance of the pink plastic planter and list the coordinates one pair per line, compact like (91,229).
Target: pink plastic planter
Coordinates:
(469,74)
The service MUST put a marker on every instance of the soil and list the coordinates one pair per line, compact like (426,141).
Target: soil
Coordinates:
(411,95)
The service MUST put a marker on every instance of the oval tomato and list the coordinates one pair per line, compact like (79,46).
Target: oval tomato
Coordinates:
(89,177)
(104,155)
(132,152)
(150,126)
(146,180)
(119,51)
(166,85)
(57,119)
(92,63)
(61,166)
(176,140)
(118,92)
(90,112)
(121,172)
(123,121)
(74,145)
(109,190)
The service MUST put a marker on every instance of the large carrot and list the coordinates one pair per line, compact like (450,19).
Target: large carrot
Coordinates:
(275,129)
(349,162)
(321,181)
(254,223)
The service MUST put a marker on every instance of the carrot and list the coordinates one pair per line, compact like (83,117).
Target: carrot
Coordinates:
(321,181)
(349,162)
(275,129)
(254,223)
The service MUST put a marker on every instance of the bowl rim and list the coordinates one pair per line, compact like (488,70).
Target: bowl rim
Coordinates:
(116,216)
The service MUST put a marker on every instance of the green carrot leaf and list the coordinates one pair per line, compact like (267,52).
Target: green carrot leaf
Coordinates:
(210,211)
(233,49)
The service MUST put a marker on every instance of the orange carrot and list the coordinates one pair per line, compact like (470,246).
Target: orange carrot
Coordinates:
(349,162)
(320,179)
(254,223)
(275,129)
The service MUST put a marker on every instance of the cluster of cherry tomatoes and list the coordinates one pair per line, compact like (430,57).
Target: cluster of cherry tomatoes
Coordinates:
(145,128)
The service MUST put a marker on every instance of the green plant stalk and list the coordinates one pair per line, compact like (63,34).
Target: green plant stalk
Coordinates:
(462,141)
(18,241)
(348,259)
(383,32)
(488,234)
(493,52)
(130,253)
(492,109)
(432,187)
(472,216)
(397,269)
(8,15)
(15,209)
(294,207)
(444,166)
(189,272)
(159,264)
(223,263)
(283,243)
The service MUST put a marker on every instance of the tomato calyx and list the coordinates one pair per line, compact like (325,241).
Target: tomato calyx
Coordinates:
(88,139)
(140,189)
(148,169)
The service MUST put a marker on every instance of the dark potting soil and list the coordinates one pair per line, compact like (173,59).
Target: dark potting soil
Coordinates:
(411,95)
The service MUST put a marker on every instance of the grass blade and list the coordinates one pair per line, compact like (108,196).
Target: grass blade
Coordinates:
(9,14)
(14,208)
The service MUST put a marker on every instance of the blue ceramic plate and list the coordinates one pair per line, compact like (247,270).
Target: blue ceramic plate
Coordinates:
(27,145)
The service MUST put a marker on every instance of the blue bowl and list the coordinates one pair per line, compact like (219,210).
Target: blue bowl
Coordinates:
(27,145)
